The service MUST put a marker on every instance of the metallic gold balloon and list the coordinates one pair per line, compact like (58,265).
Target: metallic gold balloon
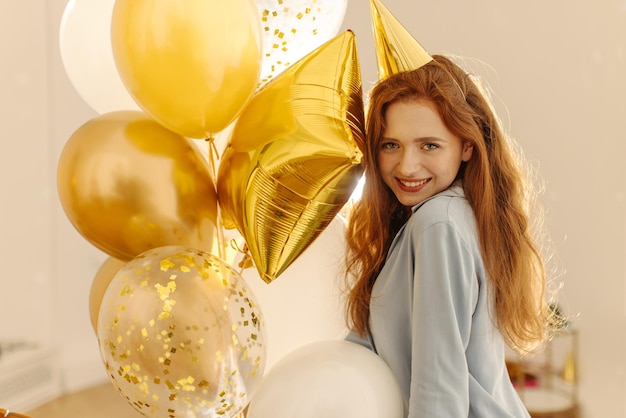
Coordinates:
(191,64)
(396,49)
(181,335)
(293,159)
(127,184)
(292,29)
(99,285)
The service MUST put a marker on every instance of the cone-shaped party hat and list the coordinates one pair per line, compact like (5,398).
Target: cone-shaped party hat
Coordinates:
(396,49)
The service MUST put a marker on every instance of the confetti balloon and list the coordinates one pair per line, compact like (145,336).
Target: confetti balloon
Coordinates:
(181,335)
(292,29)
(294,156)
(330,379)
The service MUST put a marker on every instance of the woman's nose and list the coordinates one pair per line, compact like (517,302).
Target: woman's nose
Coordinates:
(409,163)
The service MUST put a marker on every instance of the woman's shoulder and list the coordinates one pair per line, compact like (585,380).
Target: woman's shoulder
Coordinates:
(448,207)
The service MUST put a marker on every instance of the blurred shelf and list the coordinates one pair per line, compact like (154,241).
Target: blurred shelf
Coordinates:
(547,383)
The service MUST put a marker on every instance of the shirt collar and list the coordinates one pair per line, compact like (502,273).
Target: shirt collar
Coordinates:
(455,190)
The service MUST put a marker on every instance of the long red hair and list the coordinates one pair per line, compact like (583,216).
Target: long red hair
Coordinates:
(495,184)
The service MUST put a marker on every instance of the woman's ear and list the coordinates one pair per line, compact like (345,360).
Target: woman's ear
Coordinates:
(468,147)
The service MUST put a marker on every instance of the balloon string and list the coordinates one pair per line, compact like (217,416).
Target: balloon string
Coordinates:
(246,261)
(213,158)
(214,155)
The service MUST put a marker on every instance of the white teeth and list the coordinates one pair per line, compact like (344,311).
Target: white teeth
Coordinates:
(413,183)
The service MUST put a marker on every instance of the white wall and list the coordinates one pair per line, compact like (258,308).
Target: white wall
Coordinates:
(557,68)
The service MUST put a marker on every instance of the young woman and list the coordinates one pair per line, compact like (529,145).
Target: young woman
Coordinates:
(443,266)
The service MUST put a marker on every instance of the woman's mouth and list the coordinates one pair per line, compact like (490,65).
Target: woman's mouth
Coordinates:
(412,184)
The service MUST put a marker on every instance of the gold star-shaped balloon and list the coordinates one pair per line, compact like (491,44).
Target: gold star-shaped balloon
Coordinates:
(294,157)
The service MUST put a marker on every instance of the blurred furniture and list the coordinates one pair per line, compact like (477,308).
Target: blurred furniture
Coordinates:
(5,413)
(547,383)
(29,375)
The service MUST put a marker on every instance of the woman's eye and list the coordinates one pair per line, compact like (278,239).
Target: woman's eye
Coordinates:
(389,145)
(430,147)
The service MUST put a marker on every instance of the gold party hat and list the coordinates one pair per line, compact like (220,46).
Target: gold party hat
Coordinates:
(396,49)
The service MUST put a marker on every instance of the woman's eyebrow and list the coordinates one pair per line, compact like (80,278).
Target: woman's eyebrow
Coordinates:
(418,139)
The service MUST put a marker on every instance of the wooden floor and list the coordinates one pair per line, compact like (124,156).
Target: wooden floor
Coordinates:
(100,401)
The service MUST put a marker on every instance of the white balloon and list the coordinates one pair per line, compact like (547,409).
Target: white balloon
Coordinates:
(87,55)
(293,29)
(330,379)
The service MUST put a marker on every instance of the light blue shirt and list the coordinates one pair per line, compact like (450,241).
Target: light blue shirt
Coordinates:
(431,317)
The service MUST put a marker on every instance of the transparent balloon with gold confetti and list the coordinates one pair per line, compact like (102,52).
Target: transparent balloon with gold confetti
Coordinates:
(293,28)
(181,335)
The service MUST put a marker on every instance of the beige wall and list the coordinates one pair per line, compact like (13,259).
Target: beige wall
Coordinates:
(557,68)
(25,211)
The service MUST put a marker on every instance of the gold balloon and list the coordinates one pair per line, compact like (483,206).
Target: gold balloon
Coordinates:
(181,335)
(127,184)
(190,64)
(293,159)
(396,49)
(99,285)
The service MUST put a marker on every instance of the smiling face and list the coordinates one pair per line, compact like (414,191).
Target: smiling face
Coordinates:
(418,156)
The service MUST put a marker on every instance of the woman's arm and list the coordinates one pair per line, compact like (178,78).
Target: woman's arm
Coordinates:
(444,297)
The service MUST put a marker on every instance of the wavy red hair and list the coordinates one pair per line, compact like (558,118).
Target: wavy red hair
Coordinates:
(495,184)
